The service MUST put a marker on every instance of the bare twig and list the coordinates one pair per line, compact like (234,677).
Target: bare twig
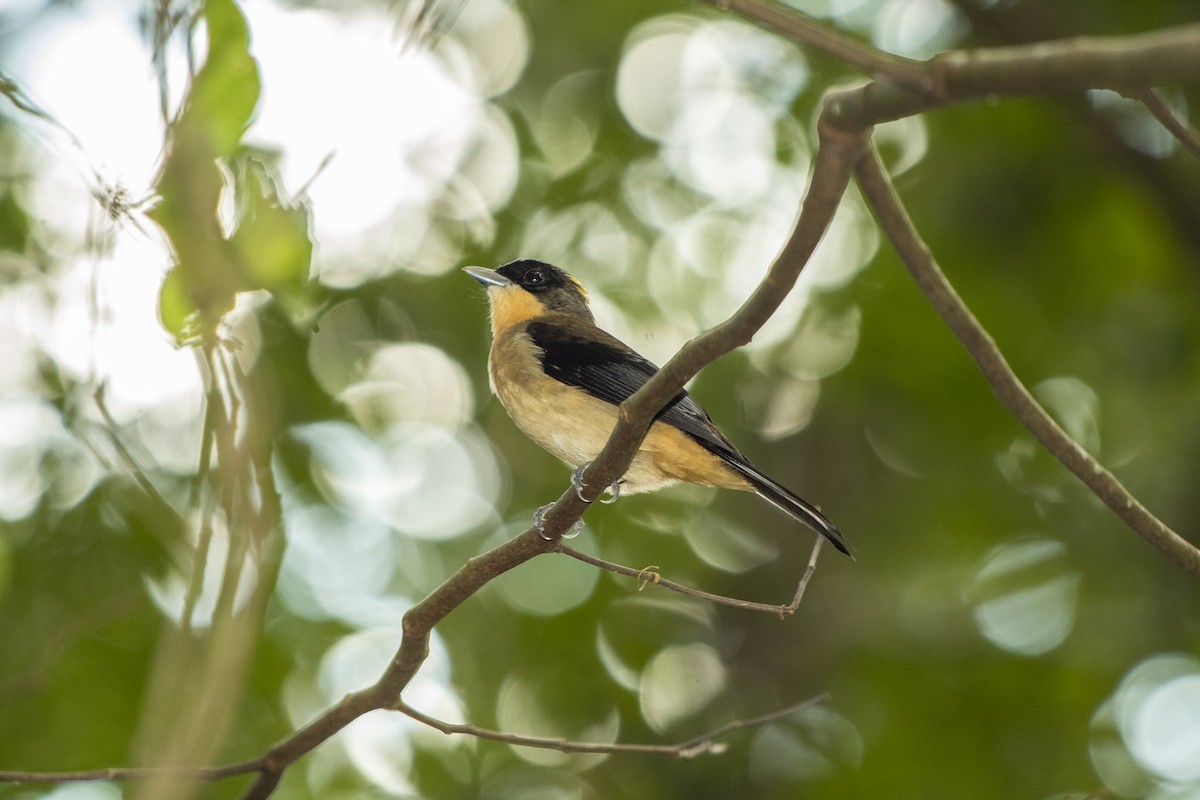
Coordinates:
(809,570)
(703,744)
(650,576)
(131,462)
(803,29)
(892,217)
(1185,134)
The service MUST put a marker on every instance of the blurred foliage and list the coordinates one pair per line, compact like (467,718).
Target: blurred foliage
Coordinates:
(1001,633)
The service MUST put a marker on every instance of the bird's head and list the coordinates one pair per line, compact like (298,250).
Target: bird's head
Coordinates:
(524,289)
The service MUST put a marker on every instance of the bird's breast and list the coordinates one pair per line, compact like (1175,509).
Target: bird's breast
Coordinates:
(574,426)
(564,420)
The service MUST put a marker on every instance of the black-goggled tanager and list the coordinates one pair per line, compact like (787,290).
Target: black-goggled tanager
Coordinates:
(561,378)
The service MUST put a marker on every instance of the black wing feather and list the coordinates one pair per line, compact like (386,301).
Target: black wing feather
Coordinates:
(607,369)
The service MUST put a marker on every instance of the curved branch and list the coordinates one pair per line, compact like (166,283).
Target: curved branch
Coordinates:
(836,155)
(835,158)
(418,623)
(690,748)
(908,88)
(889,211)
(803,29)
(831,174)
(905,87)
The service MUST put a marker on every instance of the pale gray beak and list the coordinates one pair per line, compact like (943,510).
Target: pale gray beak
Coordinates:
(488,277)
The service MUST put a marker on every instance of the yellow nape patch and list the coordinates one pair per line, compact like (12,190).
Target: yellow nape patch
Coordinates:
(578,285)
(512,305)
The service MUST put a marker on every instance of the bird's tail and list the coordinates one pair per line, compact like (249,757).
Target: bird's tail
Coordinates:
(788,501)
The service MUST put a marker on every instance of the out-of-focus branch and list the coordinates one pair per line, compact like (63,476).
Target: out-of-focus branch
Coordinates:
(889,211)
(650,576)
(132,773)
(1183,133)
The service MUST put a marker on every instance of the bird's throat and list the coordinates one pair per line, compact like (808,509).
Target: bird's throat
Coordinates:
(511,306)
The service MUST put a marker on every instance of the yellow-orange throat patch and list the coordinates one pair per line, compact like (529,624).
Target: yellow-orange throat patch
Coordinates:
(512,305)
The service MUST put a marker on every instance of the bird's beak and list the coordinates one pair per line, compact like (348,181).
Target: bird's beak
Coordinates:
(488,277)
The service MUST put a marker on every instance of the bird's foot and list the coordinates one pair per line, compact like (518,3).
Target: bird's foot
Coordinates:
(539,525)
(614,491)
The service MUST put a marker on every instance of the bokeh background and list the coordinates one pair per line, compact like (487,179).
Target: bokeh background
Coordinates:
(1001,633)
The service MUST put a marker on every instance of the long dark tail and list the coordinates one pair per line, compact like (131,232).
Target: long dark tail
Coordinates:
(788,501)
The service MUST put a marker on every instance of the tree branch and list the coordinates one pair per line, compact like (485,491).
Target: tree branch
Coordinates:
(803,29)
(889,211)
(835,158)
(908,88)
(836,155)
(705,743)
(905,87)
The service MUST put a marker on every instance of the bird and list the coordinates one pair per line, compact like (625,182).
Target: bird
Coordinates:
(561,378)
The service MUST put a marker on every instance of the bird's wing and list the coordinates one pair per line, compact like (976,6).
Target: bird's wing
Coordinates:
(606,368)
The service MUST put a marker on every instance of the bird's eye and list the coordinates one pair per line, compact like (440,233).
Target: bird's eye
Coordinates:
(534,278)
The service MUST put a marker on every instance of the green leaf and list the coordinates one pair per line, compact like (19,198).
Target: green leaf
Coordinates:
(216,112)
(189,188)
(14,224)
(226,90)
(272,239)
(175,309)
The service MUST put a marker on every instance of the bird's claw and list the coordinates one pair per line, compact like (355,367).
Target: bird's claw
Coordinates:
(539,525)
(614,491)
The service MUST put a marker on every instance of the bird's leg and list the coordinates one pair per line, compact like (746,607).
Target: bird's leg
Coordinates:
(539,525)
(614,491)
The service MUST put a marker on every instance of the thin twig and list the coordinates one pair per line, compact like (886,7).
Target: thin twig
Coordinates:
(650,576)
(690,748)
(1185,134)
(809,570)
(803,29)
(880,194)
(131,462)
